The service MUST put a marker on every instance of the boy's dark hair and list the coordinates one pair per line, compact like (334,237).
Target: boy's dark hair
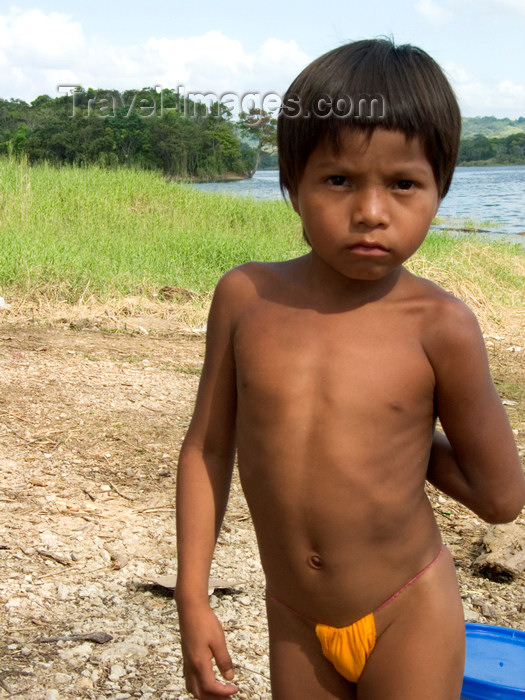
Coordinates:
(364,85)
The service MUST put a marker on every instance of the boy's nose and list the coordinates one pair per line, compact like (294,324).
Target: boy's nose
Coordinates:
(370,208)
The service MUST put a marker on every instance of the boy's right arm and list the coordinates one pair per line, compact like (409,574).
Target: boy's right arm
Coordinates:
(203,482)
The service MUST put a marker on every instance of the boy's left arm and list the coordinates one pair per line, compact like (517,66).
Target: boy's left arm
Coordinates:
(476,461)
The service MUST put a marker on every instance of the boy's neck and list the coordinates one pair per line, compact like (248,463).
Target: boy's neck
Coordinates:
(335,292)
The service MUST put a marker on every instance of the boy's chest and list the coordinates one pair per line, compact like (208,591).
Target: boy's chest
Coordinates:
(348,360)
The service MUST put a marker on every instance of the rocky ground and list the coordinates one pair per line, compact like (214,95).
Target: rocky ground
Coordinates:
(93,409)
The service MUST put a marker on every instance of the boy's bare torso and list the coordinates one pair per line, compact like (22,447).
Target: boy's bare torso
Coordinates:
(335,415)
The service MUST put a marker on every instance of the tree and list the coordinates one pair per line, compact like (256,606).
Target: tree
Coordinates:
(260,128)
(515,145)
(138,128)
(476,148)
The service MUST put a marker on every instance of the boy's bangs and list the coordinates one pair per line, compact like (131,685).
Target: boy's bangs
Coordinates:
(363,86)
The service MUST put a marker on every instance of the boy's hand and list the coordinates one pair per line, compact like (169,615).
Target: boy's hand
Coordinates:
(202,641)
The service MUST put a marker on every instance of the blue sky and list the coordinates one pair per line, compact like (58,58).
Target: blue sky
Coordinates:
(257,48)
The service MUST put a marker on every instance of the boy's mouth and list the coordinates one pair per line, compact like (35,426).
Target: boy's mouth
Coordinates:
(368,248)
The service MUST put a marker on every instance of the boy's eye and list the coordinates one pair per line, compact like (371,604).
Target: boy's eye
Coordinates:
(404,184)
(337,180)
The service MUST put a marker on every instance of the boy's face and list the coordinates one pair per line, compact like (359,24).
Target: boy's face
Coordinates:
(367,209)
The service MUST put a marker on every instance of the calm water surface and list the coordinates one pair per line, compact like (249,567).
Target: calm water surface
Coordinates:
(481,195)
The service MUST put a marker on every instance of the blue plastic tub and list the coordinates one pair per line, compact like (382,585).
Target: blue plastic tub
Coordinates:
(495,666)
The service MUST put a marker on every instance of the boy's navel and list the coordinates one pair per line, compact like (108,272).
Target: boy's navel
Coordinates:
(315,561)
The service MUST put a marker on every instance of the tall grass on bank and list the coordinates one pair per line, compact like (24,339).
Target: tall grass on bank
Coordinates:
(74,232)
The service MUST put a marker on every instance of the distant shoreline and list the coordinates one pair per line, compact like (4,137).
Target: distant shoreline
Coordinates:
(488,164)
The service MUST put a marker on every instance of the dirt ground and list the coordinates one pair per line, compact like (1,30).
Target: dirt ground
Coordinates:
(94,404)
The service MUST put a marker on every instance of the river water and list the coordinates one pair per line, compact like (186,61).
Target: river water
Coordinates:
(479,195)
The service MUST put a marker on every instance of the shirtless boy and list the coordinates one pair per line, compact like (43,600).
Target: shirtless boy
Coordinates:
(326,375)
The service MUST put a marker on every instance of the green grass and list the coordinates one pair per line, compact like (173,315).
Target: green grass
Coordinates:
(74,232)
(78,231)
(480,271)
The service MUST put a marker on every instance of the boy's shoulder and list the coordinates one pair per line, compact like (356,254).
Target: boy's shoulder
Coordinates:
(447,320)
(241,289)
(254,278)
(439,302)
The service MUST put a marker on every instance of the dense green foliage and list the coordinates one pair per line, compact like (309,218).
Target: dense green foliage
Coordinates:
(185,139)
(481,150)
(71,232)
(491,126)
(145,129)
(491,141)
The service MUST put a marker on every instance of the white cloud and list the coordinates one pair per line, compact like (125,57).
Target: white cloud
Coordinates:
(506,98)
(278,63)
(456,73)
(511,94)
(471,93)
(35,46)
(277,50)
(40,51)
(209,62)
(433,12)
(217,63)
(33,37)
